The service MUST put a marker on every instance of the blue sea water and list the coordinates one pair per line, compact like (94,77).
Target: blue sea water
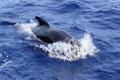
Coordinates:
(20,60)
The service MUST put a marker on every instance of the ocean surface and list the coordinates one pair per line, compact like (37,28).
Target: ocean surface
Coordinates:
(95,24)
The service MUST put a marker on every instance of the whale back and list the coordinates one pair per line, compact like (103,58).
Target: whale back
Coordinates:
(48,34)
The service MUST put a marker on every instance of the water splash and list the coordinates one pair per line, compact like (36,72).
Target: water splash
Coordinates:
(66,51)
(63,50)
(26,28)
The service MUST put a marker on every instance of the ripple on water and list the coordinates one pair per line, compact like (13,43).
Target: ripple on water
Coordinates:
(70,7)
(4,59)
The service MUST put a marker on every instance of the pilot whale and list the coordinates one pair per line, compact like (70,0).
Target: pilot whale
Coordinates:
(47,34)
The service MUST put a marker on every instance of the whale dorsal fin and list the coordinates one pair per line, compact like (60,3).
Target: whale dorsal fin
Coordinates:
(41,21)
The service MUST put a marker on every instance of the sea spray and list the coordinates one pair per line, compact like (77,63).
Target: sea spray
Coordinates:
(67,51)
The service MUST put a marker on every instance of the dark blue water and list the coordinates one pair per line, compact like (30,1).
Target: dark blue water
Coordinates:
(100,18)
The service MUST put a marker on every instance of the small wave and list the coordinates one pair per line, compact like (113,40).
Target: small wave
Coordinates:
(76,31)
(105,25)
(69,7)
(4,60)
(3,56)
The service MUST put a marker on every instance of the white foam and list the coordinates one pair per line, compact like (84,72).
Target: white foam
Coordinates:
(5,60)
(0,55)
(66,51)
(63,50)
(26,28)
(5,64)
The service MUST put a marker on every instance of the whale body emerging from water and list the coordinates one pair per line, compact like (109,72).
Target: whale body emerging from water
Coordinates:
(47,34)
